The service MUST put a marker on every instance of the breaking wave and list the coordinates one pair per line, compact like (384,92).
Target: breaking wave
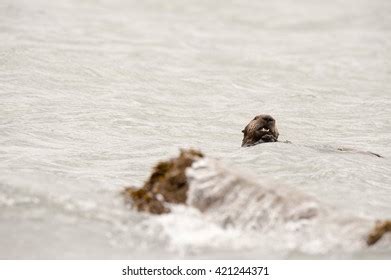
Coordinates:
(290,218)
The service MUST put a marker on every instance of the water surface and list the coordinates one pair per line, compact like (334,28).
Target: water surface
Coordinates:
(93,93)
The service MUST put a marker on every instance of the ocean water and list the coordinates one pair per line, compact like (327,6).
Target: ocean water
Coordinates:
(93,93)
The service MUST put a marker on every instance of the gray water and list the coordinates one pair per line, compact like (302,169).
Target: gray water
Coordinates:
(94,93)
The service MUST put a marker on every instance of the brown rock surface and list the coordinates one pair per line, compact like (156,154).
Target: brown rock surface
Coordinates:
(167,184)
(378,231)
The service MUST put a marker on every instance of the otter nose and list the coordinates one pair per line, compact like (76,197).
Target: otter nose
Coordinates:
(269,119)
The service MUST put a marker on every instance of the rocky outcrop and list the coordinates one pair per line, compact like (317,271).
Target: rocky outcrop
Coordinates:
(167,184)
(232,199)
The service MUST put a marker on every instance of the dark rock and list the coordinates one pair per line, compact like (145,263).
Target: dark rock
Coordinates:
(167,184)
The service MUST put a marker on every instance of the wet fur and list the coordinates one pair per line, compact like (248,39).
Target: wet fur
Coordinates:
(260,130)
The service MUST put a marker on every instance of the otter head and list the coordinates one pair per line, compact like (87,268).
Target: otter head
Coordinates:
(261,129)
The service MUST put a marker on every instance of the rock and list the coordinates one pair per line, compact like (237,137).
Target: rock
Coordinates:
(167,184)
(378,231)
(231,199)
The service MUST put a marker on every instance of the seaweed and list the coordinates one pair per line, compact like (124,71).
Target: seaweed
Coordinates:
(167,184)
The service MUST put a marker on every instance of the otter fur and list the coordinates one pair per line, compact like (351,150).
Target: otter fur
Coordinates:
(260,130)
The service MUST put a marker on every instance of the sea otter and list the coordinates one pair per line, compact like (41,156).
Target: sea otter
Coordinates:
(260,130)
(263,129)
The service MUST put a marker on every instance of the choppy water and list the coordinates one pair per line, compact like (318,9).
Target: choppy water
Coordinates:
(93,93)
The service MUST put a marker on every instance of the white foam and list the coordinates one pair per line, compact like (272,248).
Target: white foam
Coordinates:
(233,200)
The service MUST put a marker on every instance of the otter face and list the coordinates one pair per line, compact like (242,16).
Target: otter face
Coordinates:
(260,130)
